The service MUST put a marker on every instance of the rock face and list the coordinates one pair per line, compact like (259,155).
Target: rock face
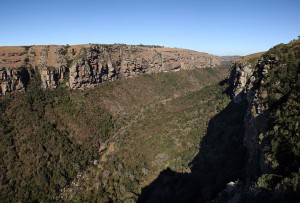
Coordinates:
(85,66)
(11,80)
(52,77)
(245,82)
(100,63)
(239,78)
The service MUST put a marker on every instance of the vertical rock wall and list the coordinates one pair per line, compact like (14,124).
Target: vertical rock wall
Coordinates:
(11,80)
(85,66)
(246,82)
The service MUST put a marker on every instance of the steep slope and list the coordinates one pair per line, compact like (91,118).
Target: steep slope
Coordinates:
(97,143)
(271,89)
(250,152)
(138,139)
(47,137)
(163,135)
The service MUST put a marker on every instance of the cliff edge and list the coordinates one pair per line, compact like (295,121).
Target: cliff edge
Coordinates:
(85,66)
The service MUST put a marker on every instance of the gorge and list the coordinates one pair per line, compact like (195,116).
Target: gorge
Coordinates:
(122,123)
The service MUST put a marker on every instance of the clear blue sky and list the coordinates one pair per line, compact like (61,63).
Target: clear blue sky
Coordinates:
(221,27)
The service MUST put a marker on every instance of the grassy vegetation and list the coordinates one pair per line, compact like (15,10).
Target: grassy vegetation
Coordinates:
(221,156)
(48,137)
(252,58)
(108,143)
(219,160)
(165,133)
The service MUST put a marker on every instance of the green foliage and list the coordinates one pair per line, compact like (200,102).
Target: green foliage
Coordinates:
(171,131)
(268,181)
(26,60)
(162,128)
(281,142)
(47,137)
(40,152)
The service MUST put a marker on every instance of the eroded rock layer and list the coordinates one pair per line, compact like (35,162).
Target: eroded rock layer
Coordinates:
(84,66)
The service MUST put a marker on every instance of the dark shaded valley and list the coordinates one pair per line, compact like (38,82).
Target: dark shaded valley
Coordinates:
(220,160)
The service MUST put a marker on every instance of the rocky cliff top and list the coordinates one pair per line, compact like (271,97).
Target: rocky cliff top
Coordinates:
(56,55)
(269,88)
(83,66)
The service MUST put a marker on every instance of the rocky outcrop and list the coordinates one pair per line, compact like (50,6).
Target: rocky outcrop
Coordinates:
(52,77)
(239,78)
(85,66)
(11,80)
(98,63)
(246,81)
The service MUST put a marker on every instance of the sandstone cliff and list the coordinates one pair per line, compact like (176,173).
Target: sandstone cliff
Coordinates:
(11,80)
(84,66)
(270,91)
(246,81)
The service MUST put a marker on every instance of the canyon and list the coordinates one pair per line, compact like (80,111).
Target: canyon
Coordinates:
(123,123)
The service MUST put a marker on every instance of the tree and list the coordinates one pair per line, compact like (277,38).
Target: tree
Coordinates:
(26,60)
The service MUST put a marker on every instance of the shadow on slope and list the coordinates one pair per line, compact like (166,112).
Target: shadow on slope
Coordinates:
(219,161)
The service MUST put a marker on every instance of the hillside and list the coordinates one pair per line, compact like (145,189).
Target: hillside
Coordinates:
(271,126)
(250,152)
(251,57)
(75,128)
(106,142)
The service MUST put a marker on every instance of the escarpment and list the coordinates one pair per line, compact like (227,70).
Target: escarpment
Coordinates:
(85,66)
(183,140)
(246,82)
(270,91)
